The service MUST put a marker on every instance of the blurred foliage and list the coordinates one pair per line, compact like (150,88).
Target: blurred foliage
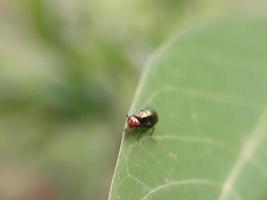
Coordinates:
(68,70)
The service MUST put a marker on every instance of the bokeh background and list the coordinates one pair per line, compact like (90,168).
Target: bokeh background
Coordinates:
(68,72)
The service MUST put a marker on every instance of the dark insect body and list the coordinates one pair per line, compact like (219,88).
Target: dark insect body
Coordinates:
(144,118)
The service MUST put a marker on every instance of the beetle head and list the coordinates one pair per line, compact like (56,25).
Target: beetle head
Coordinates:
(132,121)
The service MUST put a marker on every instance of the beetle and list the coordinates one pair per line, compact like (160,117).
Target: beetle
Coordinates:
(146,117)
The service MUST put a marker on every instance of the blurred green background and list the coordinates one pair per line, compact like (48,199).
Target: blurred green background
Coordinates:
(68,71)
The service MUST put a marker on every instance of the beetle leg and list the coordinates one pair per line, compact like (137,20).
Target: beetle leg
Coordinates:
(152,130)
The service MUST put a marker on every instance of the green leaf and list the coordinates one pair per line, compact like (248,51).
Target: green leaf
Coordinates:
(208,85)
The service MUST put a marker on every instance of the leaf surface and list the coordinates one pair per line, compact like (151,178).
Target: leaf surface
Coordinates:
(208,85)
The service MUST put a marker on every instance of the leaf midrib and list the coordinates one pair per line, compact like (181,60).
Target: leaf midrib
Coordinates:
(247,152)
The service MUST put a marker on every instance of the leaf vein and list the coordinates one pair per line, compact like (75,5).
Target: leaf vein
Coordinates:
(199,182)
(246,154)
(205,94)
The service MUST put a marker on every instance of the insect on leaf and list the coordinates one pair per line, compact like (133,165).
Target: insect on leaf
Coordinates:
(209,87)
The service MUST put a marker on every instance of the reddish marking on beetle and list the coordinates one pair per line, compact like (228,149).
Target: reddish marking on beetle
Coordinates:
(133,122)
